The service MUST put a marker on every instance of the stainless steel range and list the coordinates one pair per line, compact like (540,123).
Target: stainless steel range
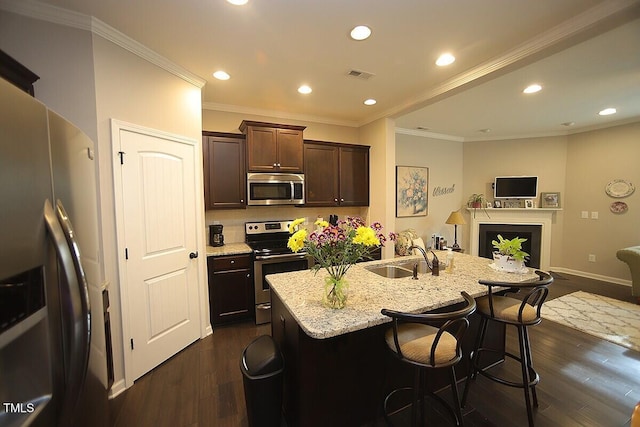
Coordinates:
(271,255)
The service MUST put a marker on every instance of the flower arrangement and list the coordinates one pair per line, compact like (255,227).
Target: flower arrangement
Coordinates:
(336,248)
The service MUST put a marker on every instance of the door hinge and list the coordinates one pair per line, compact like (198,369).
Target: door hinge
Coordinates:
(131,343)
(126,253)
(121,154)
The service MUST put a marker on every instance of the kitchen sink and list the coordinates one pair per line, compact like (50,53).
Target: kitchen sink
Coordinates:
(422,266)
(391,271)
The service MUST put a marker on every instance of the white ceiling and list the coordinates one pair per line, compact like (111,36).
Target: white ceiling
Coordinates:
(585,53)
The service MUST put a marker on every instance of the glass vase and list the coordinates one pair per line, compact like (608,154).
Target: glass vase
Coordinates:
(335,292)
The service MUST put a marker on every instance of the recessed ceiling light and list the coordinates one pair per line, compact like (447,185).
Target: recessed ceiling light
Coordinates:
(532,88)
(361,32)
(304,89)
(221,75)
(608,111)
(370,101)
(445,59)
(238,2)
(567,124)
(487,130)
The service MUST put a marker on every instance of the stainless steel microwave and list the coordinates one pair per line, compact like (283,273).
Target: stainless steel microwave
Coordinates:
(266,189)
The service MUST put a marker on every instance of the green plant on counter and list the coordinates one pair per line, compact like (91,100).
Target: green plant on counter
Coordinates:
(510,247)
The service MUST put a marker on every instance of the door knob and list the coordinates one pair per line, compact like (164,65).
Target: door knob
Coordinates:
(193,255)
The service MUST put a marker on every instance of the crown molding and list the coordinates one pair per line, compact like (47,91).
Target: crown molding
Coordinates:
(44,12)
(563,32)
(229,108)
(427,134)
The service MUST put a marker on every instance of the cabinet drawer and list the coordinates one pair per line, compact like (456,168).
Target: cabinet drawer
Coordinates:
(231,262)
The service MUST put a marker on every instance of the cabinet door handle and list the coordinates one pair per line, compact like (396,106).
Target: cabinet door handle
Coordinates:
(241,200)
(193,255)
(233,261)
(342,200)
(275,165)
(335,200)
(248,275)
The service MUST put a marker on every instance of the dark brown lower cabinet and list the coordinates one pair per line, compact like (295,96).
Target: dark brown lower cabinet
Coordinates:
(231,296)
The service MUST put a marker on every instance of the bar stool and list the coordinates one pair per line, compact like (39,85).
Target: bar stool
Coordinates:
(520,313)
(428,341)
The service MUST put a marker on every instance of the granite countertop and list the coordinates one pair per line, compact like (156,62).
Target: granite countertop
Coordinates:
(229,249)
(301,292)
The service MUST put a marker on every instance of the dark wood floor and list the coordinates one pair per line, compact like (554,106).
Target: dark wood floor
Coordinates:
(585,381)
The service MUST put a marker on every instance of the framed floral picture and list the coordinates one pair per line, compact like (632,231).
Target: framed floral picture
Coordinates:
(411,191)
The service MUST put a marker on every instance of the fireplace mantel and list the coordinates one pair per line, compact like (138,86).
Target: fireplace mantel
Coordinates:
(517,216)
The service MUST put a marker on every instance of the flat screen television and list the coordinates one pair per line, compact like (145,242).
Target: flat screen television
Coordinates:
(515,187)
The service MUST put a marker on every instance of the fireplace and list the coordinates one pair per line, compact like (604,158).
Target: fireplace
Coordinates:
(521,219)
(533,233)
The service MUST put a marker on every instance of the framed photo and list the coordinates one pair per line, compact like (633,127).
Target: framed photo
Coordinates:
(528,204)
(497,203)
(550,200)
(411,191)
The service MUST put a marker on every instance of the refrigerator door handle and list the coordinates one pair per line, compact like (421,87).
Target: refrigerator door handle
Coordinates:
(75,300)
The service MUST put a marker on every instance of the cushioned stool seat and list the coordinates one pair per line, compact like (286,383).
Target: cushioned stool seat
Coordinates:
(428,341)
(520,313)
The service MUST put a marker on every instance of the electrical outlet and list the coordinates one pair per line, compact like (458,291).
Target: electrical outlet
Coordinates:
(584,215)
(594,215)
(592,258)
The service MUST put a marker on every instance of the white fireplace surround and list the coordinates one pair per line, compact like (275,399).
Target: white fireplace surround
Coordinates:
(515,216)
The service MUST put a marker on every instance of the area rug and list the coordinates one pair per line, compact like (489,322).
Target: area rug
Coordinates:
(606,318)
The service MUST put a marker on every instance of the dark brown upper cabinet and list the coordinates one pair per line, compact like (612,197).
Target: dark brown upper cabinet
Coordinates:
(225,177)
(273,147)
(336,174)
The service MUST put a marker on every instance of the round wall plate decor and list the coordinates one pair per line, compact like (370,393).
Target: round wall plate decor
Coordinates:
(619,188)
(618,207)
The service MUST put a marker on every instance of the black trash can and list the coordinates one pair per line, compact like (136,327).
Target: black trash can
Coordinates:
(262,367)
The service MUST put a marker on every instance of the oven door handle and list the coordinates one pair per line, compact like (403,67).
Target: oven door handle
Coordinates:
(270,257)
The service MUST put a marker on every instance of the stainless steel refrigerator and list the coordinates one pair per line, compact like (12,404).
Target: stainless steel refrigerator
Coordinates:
(52,368)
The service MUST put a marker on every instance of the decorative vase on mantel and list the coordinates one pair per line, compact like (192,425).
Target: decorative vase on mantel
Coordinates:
(508,263)
(336,291)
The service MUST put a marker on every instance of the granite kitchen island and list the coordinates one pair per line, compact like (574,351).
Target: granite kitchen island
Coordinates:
(337,366)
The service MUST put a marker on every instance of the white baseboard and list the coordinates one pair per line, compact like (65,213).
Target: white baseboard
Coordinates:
(117,388)
(615,280)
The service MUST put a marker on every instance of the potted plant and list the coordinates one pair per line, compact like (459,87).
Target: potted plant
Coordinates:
(477,201)
(509,255)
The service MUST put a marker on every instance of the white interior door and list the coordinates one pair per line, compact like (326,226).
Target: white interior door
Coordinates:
(157,231)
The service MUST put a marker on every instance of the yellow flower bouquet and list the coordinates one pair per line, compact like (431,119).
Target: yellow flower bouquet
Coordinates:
(336,248)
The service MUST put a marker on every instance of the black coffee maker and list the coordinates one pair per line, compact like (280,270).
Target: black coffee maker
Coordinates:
(215,235)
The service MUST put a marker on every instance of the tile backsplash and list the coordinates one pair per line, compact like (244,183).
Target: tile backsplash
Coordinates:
(233,220)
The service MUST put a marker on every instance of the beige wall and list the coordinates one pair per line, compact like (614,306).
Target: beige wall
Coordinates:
(542,157)
(379,135)
(593,160)
(444,160)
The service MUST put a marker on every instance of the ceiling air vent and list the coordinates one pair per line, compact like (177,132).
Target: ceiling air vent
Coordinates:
(362,75)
